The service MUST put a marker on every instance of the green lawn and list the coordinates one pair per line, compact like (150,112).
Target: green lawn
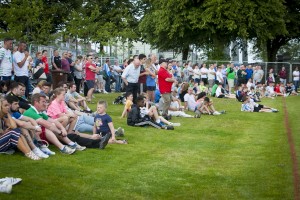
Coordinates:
(232,156)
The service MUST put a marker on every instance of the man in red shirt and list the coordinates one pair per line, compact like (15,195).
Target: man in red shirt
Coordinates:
(165,81)
(46,69)
(90,71)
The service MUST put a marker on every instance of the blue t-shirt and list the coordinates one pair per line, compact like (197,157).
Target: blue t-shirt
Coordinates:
(101,122)
(16,115)
(249,73)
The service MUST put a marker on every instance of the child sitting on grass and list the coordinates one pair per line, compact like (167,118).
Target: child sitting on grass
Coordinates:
(128,104)
(104,125)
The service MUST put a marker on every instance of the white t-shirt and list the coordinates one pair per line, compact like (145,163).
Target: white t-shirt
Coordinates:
(209,75)
(296,75)
(5,62)
(218,91)
(270,90)
(204,72)
(18,57)
(190,69)
(197,73)
(190,99)
(219,76)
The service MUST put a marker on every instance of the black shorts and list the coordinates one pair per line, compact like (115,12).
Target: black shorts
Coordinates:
(90,84)
(258,108)
(151,88)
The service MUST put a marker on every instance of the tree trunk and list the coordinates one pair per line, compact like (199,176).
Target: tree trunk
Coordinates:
(185,53)
(273,46)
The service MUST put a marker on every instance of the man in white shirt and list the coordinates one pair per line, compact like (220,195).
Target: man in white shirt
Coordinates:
(130,77)
(219,75)
(6,60)
(211,76)
(21,62)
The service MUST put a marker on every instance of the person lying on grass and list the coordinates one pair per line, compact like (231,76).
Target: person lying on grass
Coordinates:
(249,105)
(138,117)
(104,125)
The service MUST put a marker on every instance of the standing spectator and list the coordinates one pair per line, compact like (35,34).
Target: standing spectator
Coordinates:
(271,76)
(249,72)
(65,66)
(117,71)
(204,72)
(258,74)
(219,75)
(107,74)
(230,77)
(143,74)
(211,75)
(78,73)
(56,60)
(179,72)
(296,75)
(190,70)
(72,63)
(6,60)
(165,81)
(224,76)
(151,80)
(46,69)
(197,73)
(282,75)
(90,71)
(241,75)
(21,63)
(185,72)
(130,77)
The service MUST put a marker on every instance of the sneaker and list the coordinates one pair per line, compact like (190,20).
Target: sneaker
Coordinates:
(77,147)
(105,92)
(167,117)
(168,127)
(104,141)
(8,152)
(216,113)
(222,111)
(119,132)
(10,181)
(32,156)
(197,114)
(47,151)
(5,188)
(39,153)
(67,150)
(174,124)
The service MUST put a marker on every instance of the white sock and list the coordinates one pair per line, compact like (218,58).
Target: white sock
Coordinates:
(71,143)
(158,121)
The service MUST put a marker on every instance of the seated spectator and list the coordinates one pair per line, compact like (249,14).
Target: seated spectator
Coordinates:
(176,110)
(38,87)
(46,90)
(214,88)
(189,100)
(136,118)
(104,125)
(58,110)
(277,90)
(16,90)
(202,87)
(270,92)
(74,100)
(10,135)
(289,90)
(249,105)
(128,104)
(183,90)
(3,87)
(221,92)
(205,106)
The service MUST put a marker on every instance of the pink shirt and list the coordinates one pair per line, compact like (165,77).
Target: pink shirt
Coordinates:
(56,108)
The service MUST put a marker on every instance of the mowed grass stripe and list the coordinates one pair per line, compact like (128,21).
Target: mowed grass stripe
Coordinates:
(232,156)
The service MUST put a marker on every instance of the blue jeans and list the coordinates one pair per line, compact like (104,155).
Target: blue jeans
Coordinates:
(225,80)
(5,78)
(85,124)
(296,84)
(118,83)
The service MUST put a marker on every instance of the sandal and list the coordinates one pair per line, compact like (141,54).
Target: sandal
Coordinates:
(32,156)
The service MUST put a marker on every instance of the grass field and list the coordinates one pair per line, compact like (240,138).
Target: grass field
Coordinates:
(232,156)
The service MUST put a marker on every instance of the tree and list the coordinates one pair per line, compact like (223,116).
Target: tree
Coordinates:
(176,23)
(34,20)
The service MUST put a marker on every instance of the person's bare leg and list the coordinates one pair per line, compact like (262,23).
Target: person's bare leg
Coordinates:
(90,94)
(51,137)
(72,124)
(73,106)
(22,145)
(64,120)
(27,138)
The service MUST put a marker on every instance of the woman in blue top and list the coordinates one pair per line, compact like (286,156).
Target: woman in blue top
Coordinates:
(151,79)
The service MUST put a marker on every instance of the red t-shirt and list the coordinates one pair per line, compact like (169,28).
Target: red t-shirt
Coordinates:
(89,74)
(164,86)
(277,89)
(45,60)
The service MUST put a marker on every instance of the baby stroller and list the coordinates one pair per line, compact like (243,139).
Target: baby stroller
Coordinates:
(120,99)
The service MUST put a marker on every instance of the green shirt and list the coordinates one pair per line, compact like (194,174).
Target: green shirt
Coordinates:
(34,114)
(214,89)
(230,75)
